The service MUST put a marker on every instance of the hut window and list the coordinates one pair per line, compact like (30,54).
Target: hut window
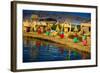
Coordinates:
(68,29)
(89,29)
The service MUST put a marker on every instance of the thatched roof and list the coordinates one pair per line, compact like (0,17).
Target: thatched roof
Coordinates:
(48,20)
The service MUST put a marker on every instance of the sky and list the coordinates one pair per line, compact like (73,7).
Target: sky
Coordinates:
(73,17)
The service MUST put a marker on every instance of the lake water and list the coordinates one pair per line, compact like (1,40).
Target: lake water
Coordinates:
(36,50)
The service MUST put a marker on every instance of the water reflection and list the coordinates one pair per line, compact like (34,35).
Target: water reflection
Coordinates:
(36,50)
